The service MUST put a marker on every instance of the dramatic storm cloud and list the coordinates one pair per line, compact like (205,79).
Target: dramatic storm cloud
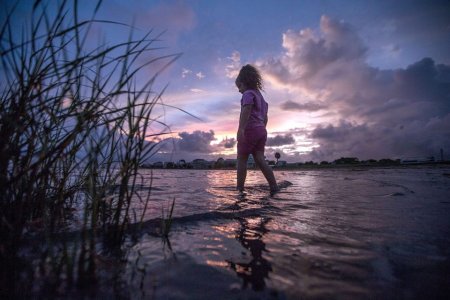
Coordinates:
(199,142)
(390,112)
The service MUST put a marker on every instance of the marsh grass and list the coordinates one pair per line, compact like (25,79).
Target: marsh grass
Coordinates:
(166,219)
(74,121)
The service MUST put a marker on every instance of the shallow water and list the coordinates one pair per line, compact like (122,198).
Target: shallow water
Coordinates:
(332,234)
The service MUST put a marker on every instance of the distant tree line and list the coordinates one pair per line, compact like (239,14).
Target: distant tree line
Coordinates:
(222,163)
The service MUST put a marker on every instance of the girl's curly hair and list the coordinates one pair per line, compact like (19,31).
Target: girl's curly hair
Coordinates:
(251,77)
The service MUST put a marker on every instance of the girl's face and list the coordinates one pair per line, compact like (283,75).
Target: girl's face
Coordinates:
(241,87)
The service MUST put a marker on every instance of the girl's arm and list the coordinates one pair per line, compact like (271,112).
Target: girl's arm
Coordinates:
(245,115)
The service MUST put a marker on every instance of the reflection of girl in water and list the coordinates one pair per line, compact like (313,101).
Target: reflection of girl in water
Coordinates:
(252,134)
(257,270)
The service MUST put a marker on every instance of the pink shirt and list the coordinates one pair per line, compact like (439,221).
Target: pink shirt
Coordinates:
(259,108)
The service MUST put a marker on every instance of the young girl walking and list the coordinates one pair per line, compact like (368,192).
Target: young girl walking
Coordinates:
(252,133)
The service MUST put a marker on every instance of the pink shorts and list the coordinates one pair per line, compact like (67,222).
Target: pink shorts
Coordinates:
(255,140)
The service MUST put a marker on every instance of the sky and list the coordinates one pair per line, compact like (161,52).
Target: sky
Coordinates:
(343,78)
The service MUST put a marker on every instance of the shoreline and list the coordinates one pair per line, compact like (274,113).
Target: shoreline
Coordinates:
(356,167)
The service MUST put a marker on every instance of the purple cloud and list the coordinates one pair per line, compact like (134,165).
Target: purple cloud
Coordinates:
(306,54)
(294,106)
(197,141)
(391,112)
(379,141)
(280,140)
(227,143)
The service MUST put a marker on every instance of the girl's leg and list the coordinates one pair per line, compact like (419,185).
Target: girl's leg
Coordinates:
(266,170)
(241,171)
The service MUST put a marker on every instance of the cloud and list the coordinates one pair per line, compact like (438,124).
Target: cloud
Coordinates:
(364,141)
(197,141)
(227,143)
(392,50)
(390,112)
(307,54)
(364,111)
(280,140)
(294,106)
(200,75)
(196,90)
(232,69)
(185,72)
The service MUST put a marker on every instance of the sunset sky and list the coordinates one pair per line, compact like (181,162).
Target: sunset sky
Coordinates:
(367,79)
